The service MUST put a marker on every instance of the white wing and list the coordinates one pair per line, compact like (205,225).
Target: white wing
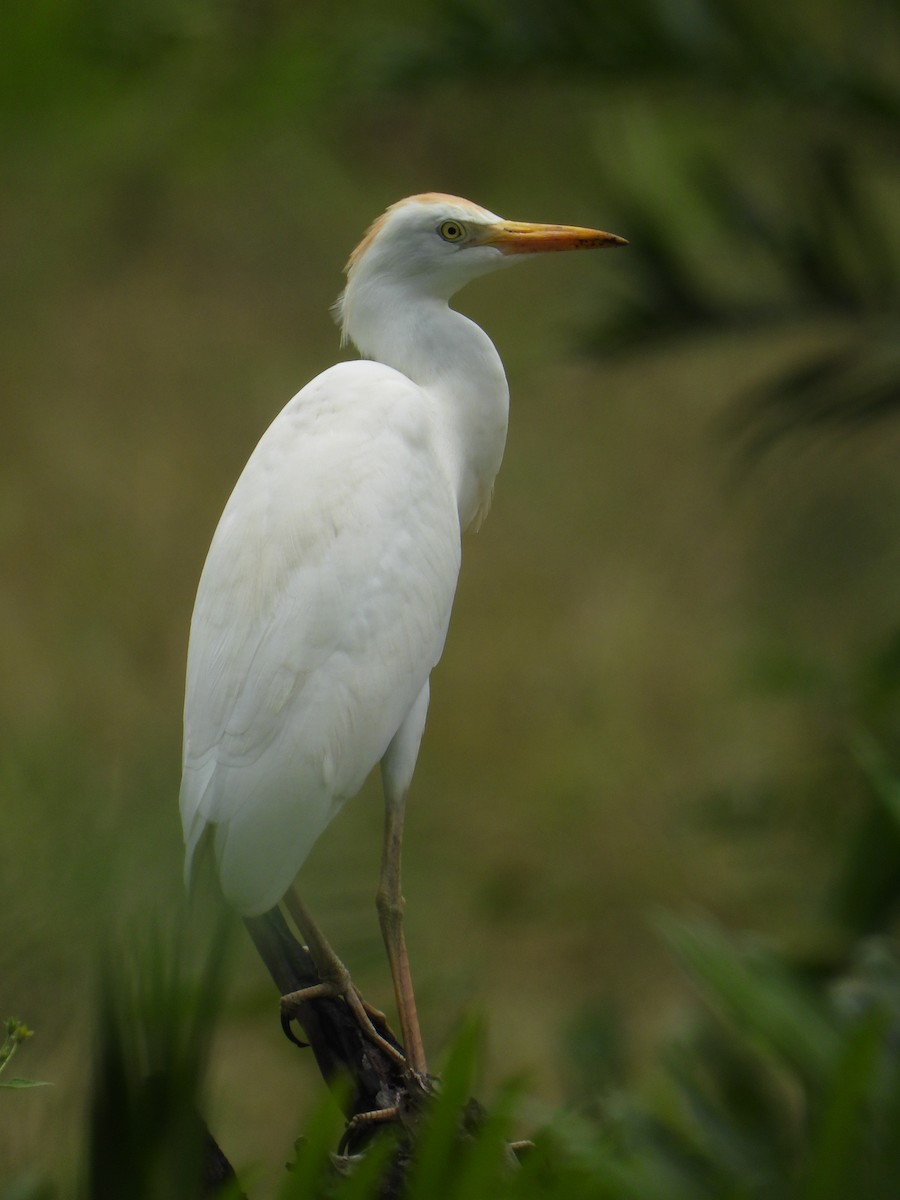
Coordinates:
(321,611)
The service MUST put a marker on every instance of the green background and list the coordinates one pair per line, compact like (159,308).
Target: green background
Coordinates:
(664,643)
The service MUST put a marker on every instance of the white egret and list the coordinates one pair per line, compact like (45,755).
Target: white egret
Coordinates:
(324,602)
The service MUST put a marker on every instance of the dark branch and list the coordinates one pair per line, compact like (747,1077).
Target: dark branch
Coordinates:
(343,1052)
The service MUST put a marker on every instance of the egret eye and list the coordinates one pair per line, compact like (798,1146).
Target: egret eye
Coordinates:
(452,231)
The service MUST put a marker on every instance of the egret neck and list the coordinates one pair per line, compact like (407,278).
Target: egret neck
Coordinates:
(404,325)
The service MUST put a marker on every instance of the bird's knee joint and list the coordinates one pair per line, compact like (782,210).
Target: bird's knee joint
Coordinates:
(389,905)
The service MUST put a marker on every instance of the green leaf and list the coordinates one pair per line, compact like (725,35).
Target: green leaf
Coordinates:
(878,771)
(838,1144)
(758,995)
(437,1154)
(26,1083)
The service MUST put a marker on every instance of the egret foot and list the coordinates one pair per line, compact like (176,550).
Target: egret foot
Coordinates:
(344,988)
(377,1116)
(408,1103)
(335,982)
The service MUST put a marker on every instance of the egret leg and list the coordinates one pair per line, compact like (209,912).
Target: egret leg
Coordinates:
(390,905)
(334,978)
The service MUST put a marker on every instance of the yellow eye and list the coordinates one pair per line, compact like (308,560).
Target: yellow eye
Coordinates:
(452,231)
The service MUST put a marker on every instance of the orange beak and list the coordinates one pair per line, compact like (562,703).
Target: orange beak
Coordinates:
(524,237)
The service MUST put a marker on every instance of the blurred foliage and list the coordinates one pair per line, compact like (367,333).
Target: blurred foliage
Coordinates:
(865,899)
(16,1033)
(692,699)
(835,55)
(799,224)
(777,1086)
(783,1081)
(786,1089)
(156,1015)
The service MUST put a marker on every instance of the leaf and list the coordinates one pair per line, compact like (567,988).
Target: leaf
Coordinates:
(878,771)
(26,1083)
(437,1149)
(759,996)
(839,1144)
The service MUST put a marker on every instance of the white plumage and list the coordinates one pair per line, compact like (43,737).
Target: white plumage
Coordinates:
(322,608)
(324,602)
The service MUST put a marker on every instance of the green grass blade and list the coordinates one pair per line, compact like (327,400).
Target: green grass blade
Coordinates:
(756,993)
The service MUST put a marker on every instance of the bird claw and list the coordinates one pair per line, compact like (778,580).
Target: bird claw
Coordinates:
(342,988)
(377,1116)
(286,1019)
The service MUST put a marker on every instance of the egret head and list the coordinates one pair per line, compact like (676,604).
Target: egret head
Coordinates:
(437,243)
